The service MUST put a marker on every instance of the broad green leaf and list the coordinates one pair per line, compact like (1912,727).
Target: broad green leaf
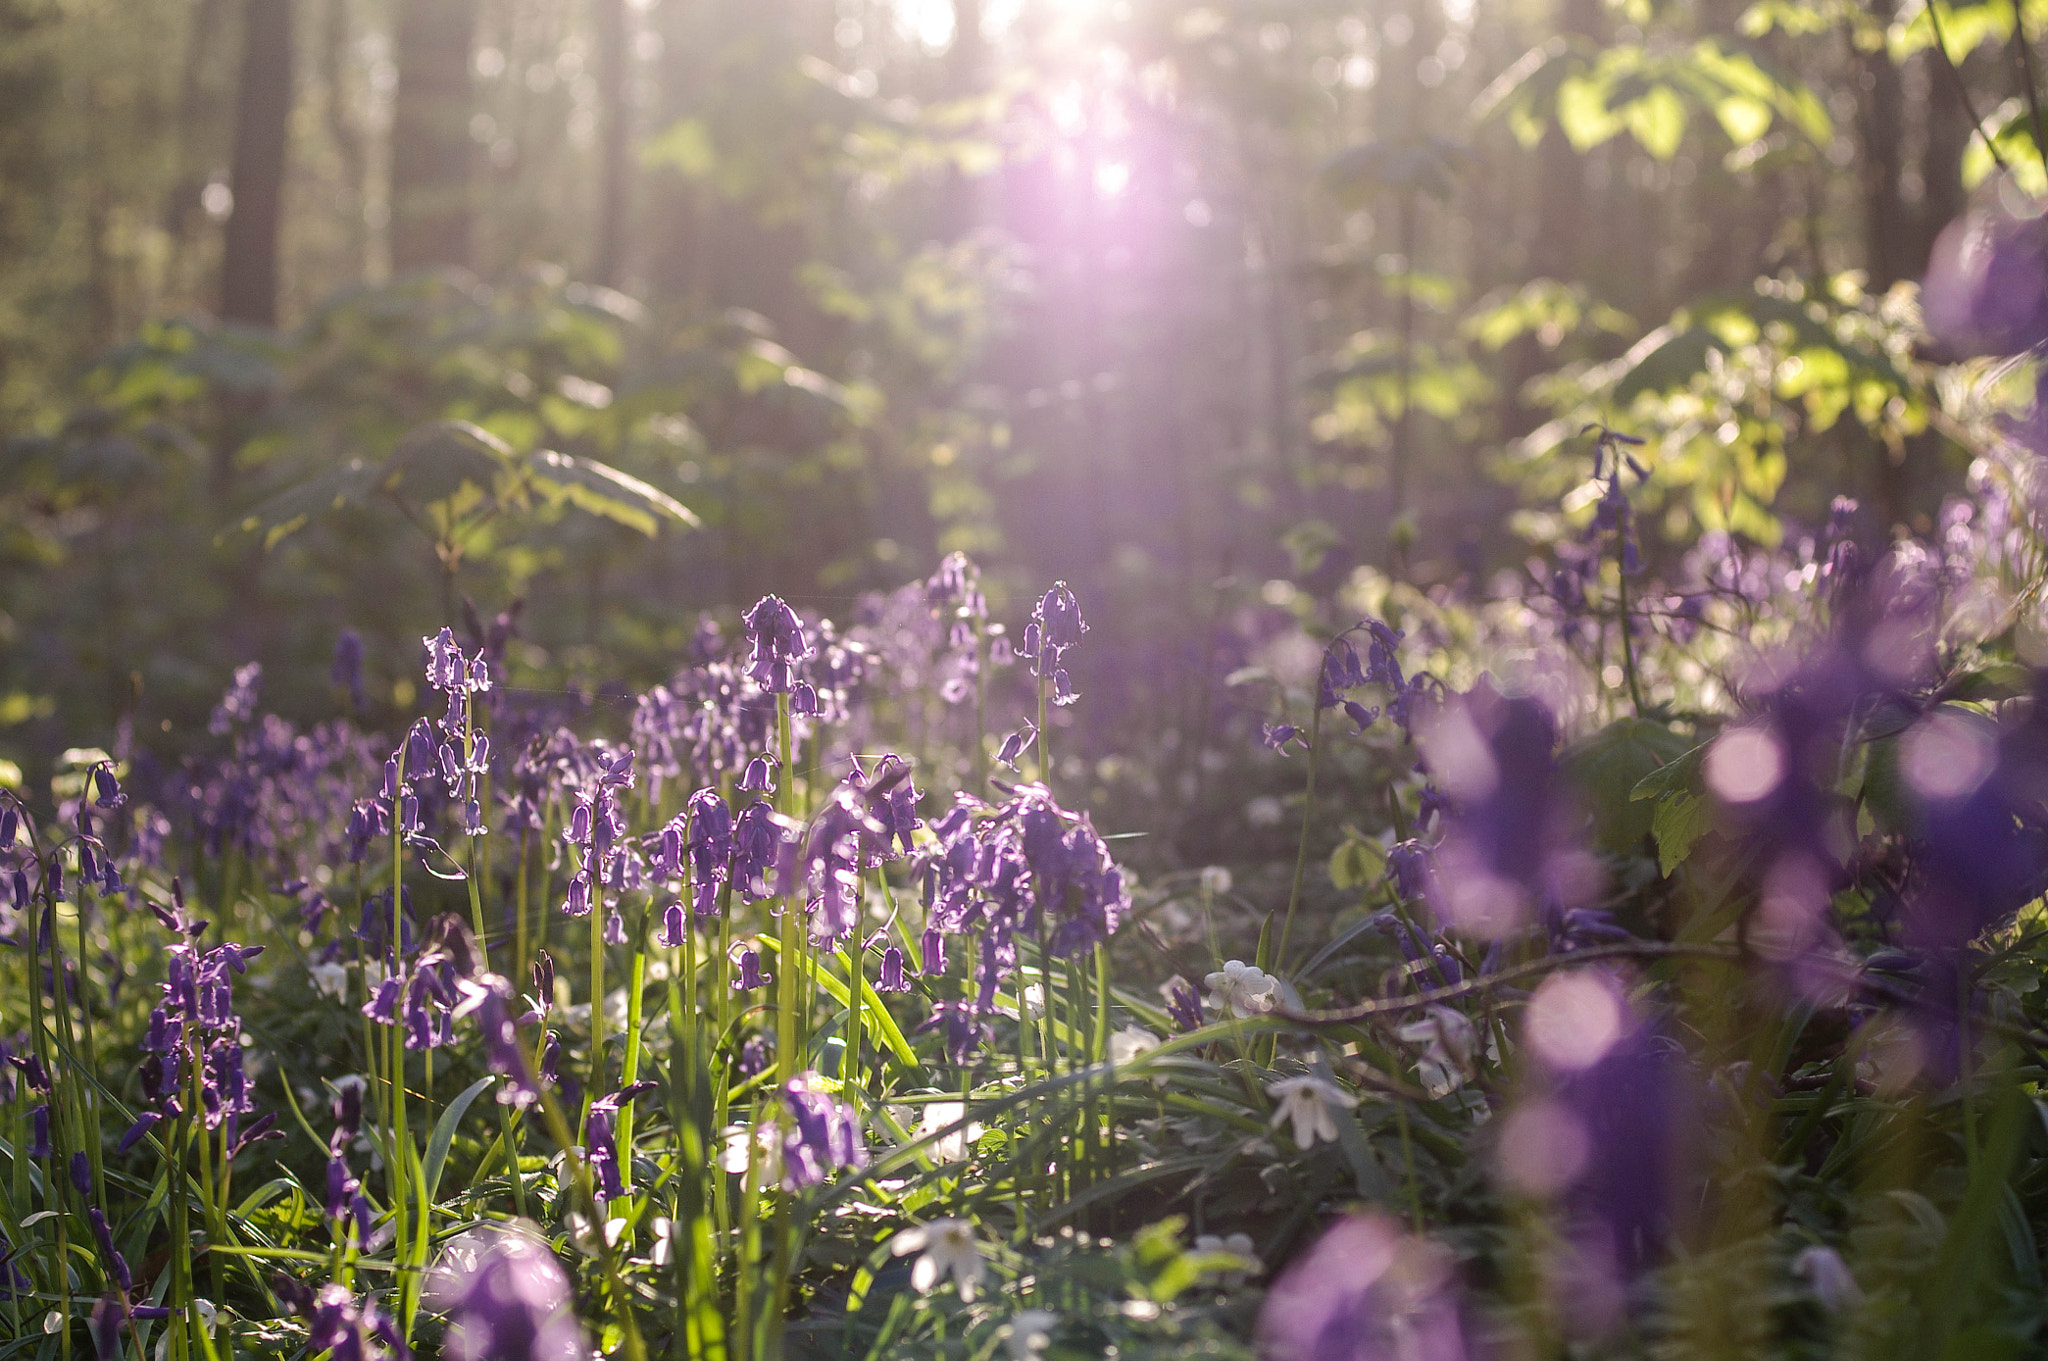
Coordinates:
(1657,121)
(1743,118)
(1582,113)
(1608,765)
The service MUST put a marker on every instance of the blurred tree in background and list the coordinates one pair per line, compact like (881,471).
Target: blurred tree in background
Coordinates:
(1167,298)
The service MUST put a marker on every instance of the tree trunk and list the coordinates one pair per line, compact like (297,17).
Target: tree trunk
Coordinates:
(614,92)
(1887,226)
(263,113)
(343,132)
(430,208)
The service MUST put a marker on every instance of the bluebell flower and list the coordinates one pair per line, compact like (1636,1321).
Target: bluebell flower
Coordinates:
(779,645)
(117,1265)
(932,946)
(757,779)
(1016,744)
(347,671)
(1183,1003)
(961,1028)
(827,1135)
(891,978)
(1986,290)
(602,1149)
(751,976)
(1277,736)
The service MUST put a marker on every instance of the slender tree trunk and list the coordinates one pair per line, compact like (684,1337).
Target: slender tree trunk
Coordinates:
(197,123)
(615,166)
(263,112)
(344,133)
(430,160)
(1887,227)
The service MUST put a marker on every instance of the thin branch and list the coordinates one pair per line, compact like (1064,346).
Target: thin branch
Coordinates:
(1963,90)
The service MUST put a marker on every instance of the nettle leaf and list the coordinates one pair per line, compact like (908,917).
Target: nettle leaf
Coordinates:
(1609,765)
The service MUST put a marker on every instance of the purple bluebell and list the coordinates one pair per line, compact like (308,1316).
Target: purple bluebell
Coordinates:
(891,978)
(1277,736)
(104,1325)
(136,1132)
(238,705)
(778,644)
(491,997)
(1340,671)
(1510,843)
(347,671)
(757,779)
(1016,744)
(602,1149)
(751,976)
(1183,1004)
(349,1331)
(827,1138)
(932,949)
(961,1029)
(117,1265)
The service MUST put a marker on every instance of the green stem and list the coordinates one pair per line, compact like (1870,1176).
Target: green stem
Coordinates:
(1308,809)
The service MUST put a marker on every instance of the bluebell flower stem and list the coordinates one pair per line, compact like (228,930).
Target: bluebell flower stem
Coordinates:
(1628,647)
(630,1071)
(478,871)
(1308,812)
(401,1136)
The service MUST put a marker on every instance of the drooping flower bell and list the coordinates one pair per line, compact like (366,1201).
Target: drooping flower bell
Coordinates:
(779,645)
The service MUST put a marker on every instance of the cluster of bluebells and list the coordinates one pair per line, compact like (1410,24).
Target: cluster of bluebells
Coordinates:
(1024,868)
(346,1205)
(195,1024)
(604,861)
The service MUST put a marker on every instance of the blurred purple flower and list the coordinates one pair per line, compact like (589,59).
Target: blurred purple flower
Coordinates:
(827,1139)
(506,1298)
(1366,1291)
(1986,290)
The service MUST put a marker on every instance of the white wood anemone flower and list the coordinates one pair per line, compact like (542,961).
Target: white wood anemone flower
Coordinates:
(1311,1104)
(950,1249)
(1240,989)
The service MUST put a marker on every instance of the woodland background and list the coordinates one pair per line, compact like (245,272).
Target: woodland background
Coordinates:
(1201,307)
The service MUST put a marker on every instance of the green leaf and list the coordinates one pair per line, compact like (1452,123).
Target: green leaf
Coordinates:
(1356,862)
(1680,821)
(1609,764)
(1657,121)
(444,1136)
(287,512)
(603,490)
